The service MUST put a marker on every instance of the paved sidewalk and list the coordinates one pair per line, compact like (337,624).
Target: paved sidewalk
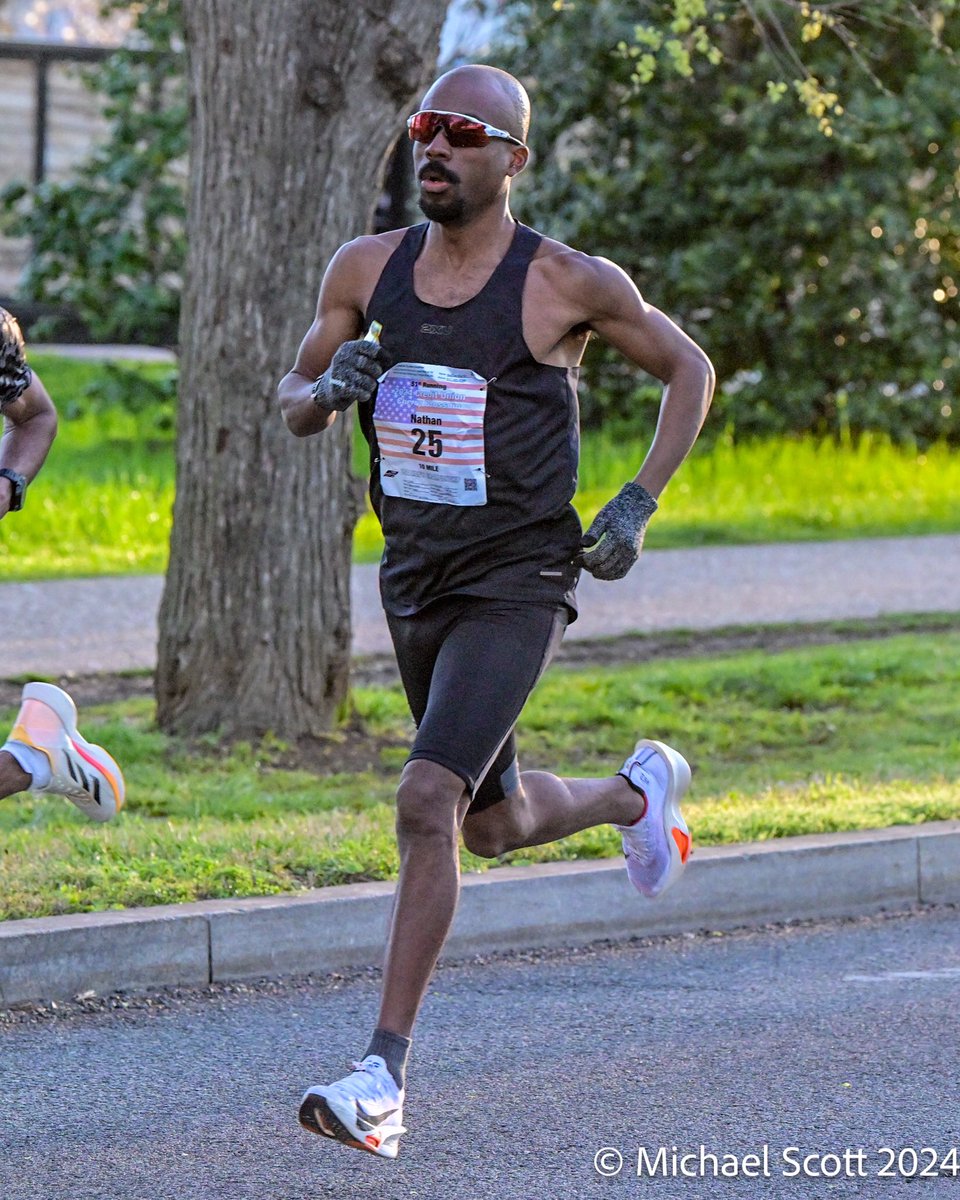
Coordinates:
(108,352)
(92,625)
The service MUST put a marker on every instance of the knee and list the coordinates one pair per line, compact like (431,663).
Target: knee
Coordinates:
(427,800)
(486,841)
(499,829)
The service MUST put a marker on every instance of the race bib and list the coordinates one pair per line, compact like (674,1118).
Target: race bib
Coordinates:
(429,423)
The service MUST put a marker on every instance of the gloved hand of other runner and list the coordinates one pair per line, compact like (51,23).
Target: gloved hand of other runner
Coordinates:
(15,375)
(612,543)
(352,375)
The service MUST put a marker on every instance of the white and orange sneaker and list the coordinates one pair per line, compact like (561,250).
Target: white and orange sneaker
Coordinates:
(84,773)
(363,1110)
(658,845)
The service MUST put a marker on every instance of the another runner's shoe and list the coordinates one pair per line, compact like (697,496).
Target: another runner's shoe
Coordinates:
(658,845)
(84,773)
(363,1110)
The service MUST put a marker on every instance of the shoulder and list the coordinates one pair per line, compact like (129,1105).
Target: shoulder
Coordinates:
(355,268)
(368,252)
(595,285)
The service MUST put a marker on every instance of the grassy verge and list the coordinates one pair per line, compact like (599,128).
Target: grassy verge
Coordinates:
(841,736)
(103,504)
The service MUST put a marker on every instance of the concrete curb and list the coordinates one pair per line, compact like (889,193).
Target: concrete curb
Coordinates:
(556,904)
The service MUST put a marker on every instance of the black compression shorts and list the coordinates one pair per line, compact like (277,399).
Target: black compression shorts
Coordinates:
(468,665)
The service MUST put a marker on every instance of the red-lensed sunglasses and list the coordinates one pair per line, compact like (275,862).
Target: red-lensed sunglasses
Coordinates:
(460,130)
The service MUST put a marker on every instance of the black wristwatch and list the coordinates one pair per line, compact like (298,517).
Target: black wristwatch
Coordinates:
(19,487)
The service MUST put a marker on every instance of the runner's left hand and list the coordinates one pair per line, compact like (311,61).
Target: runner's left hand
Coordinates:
(612,543)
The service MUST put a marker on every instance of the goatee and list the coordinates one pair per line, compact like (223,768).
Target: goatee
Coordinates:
(444,212)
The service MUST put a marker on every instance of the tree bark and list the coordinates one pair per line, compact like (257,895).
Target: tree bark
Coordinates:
(294,105)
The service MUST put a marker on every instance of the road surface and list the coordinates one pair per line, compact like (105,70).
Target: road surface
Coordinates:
(763,1048)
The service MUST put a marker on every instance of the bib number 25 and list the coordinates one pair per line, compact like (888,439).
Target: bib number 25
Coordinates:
(431,440)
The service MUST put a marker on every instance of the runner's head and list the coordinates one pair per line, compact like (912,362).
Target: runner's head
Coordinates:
(463,166)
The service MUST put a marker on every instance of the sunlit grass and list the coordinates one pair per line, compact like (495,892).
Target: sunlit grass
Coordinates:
(779,489)
(846,736)
(102,504)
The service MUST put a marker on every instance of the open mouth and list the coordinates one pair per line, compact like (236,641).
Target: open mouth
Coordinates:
(434,178)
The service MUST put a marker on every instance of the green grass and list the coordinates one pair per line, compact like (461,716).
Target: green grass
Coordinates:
(853,735)
(791,489)
(103,503)
(780,489)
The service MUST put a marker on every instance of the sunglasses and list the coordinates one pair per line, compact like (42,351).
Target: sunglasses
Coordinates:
(459,129)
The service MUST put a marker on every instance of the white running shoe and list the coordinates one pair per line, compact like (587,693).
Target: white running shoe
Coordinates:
(84,773)
(658,845)
(363,1110)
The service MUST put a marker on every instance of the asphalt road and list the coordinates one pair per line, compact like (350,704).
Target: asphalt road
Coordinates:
(836,1039)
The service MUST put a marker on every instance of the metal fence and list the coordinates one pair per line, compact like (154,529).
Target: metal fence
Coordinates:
(43,55)
(49,122)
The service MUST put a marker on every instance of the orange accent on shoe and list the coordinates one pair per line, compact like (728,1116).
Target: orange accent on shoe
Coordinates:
(372,1140)
(684,842)
(101,767)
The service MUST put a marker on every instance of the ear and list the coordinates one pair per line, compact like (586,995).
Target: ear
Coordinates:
(519,158)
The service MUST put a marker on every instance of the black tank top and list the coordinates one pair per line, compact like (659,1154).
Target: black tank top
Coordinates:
(520,543)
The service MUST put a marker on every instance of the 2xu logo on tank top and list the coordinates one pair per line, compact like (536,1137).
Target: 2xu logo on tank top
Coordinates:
(429,423)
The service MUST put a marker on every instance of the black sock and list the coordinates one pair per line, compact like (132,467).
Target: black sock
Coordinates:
(393,1048)
(639,791)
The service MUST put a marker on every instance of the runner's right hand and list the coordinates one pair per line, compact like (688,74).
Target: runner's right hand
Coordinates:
(352,376)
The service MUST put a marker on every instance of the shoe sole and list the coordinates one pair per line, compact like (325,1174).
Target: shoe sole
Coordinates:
(317,1116)
(57,699)
(674,826)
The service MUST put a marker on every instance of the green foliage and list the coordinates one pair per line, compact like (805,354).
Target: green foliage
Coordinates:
(110,242)
(152,397)
(819,272)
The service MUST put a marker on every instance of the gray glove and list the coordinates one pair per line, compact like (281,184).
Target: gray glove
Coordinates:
(616,534)
(15,375)
(352,376)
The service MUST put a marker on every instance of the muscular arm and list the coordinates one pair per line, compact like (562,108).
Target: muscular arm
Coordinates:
(650,339)
(29,427)
(339,319)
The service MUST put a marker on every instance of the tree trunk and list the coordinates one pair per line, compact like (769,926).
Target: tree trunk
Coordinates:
(294,105)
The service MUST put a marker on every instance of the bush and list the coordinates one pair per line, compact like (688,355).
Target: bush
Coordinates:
(819,272)
(110,243)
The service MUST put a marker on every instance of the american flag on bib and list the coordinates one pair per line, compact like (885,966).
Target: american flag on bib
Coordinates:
(396,400)
(450,414)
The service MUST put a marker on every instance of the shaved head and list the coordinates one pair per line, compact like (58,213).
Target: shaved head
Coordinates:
(486,92)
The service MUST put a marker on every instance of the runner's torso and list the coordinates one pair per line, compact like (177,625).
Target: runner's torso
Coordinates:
(473,443)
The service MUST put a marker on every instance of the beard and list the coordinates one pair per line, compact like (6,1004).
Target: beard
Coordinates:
(443,210)
(449,208)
